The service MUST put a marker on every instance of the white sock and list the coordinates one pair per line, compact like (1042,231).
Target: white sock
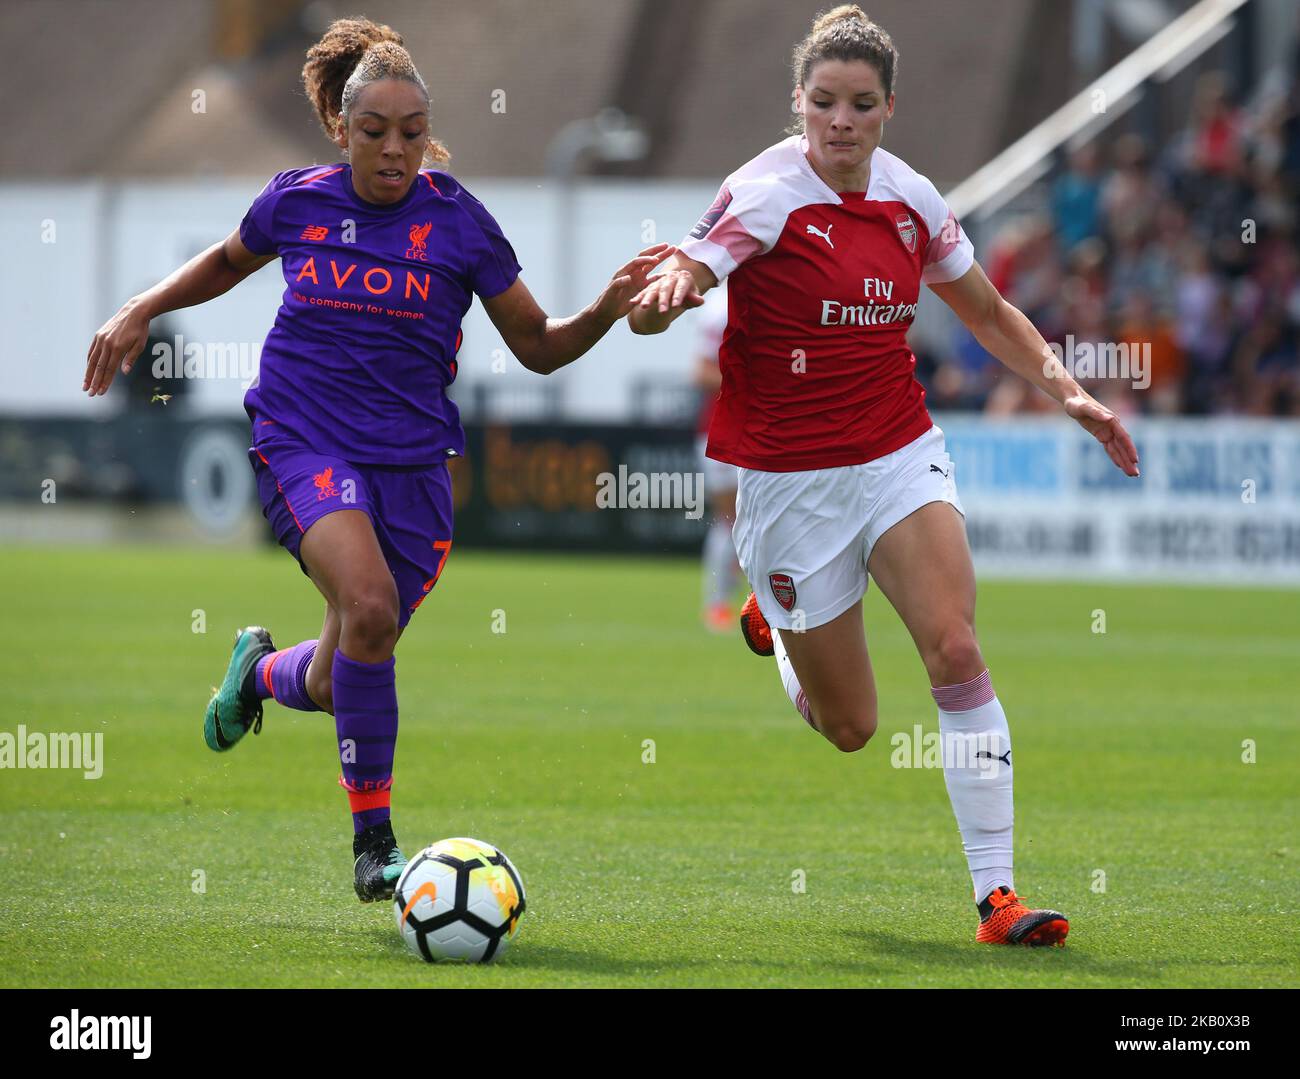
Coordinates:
(719,563)
(790,680)
(978,774)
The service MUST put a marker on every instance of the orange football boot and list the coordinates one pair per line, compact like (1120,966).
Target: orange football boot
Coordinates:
(754,627)
(1004,919)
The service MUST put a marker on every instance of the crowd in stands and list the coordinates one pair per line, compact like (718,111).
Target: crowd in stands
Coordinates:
(1188,253)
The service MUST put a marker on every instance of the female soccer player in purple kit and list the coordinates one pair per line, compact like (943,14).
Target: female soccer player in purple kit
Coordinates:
(351,424)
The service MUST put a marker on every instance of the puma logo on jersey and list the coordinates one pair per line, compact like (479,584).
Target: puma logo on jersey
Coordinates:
(813,229)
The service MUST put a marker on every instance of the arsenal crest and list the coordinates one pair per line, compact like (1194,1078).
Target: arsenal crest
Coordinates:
(782,586)
(907,232)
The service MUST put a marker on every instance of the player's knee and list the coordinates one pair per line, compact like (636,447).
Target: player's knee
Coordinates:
(955,657)
(849,731)
(370,618)
(851,739)
(321,688)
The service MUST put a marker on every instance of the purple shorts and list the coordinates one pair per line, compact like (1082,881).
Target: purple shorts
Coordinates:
(410,508)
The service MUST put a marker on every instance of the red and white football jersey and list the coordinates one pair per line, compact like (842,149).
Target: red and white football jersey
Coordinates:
(816,372)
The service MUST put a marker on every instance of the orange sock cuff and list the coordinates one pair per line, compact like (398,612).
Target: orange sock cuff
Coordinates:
(271,661)
(360,801)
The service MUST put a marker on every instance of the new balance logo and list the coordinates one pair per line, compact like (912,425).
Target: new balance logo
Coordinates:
(813,230)
(314,232)
(1005,758)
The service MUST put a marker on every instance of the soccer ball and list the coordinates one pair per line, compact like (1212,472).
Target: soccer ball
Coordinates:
(459,899)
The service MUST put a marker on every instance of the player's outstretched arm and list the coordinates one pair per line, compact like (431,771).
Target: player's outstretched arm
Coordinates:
(667,296)
(545,344)
(119,341)
(1007,334)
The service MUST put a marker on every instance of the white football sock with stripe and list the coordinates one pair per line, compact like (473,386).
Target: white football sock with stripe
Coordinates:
(977,770)
(790,681)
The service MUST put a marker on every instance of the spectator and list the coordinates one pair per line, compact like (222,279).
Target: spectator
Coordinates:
(1131,193)
(1076,196)
(1143,328)
(1200,264)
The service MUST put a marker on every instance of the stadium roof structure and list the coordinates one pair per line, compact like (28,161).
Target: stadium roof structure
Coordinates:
(710,82)
(75,84)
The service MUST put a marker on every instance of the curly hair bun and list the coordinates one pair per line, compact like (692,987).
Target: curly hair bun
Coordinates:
(839,14)
(331,61)
(351,54)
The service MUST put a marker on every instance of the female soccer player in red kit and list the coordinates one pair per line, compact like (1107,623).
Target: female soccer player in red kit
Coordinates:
(825,240)
(352,426)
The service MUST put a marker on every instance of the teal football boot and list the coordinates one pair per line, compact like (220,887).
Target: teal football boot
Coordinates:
(236,707)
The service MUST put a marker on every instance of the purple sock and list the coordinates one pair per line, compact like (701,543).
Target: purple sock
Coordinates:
(283,675)
(365,717)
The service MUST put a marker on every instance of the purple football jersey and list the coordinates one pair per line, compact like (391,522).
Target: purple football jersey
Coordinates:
(364,344)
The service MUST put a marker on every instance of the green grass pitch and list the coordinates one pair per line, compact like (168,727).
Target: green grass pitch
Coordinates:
(677,872)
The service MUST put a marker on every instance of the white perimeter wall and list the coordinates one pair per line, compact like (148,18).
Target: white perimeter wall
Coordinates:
(111,242)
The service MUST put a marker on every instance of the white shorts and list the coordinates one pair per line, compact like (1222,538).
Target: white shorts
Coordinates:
(719,477)
(803,538)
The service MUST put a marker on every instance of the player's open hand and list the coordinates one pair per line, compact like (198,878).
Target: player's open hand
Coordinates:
(629,279)
(117,345)
(669,291)
(1104,426)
